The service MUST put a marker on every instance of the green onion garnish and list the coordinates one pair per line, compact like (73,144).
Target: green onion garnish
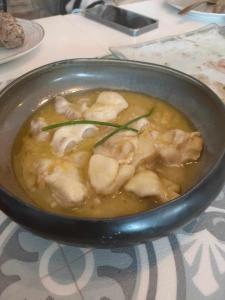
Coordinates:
(123,127)
(76,122)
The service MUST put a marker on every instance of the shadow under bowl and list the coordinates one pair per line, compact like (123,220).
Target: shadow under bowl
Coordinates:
(23,96)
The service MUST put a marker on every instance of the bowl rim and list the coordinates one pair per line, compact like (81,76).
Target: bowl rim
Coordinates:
(164,206)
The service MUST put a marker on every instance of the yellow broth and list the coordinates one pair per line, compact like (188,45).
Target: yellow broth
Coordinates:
(27,150)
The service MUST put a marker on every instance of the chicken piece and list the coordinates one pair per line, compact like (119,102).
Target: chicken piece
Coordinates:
(146,151)
(36,129)
(107,106)
(65,138)
(11,33)
(42,168)
(177,146)
(141,124)
(64,107)
(121,147)
(124,174)
(171,189)
(130,149)
(154,134)
(192,147)
(63,180)
(106,176)
(66,186)
(144,184)
(80,158)
(83,104)
(102,171)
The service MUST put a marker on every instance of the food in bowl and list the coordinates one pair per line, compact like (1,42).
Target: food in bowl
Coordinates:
(11,32)
(104,153)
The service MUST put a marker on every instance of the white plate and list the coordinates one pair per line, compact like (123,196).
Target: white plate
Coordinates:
(200,53)
(34,34)
(202,10)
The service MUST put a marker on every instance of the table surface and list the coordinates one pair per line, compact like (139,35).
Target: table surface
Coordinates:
(188,264)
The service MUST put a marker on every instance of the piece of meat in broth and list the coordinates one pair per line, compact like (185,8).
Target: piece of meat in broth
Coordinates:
(106,175)
(127,148)
(42,168)
(84,104)
(79,158)
(63,181)
(177,146)
(65,138)
(107,107)
(125,172)
(64,107)
(144,184)
(121,147)
(141,124)
(171,189)
(146,151)
(102,171)
(36,129)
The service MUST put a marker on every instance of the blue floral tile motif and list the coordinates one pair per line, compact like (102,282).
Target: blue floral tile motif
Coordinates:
(33,268)
(203,245)
(72,253)
(108,274)
(61,285)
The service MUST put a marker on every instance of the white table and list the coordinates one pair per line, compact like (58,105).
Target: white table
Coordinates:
(73,36)
(187,265)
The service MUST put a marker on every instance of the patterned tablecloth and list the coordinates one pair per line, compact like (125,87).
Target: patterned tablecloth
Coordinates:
(187,265)
(193,53)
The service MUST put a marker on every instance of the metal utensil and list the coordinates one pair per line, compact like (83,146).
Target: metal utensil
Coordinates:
(196,4)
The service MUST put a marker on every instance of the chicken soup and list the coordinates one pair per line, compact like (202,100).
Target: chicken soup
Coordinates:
(106,154)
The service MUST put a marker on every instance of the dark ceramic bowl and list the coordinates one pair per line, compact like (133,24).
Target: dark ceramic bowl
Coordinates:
(200,104)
